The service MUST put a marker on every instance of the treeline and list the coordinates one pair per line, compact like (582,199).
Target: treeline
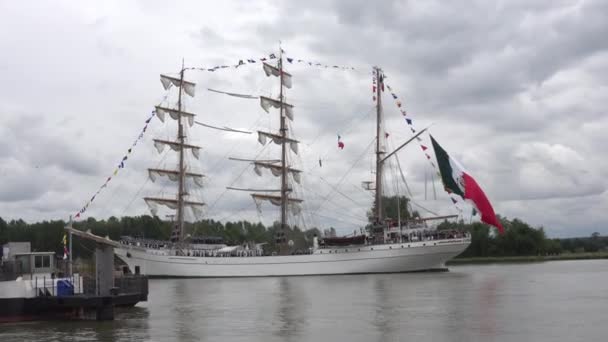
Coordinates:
(48,235)
(520,239)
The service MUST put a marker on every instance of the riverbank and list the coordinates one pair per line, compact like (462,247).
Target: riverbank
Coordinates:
(528,258)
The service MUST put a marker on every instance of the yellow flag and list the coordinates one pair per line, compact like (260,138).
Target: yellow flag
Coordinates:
(65,240)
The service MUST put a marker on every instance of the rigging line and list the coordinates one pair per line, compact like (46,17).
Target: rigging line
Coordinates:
(403,177)
(393,172)
(336,219)
(423,208)
(433,183)
(166,95)
(236,179)
(217,164)
(254,190)
(226,129)
(345,209)
(398,187)
(339,206)
(305,216)
(384,182)
(411,199)
(345,215)
(243,96)
(347,172)
(367,192)
(344,131)
(354,185)
(239,211)
(340,192)
(135,197)
(255,160)
(349,224)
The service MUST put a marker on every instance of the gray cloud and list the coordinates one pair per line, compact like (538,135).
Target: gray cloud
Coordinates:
(515,90)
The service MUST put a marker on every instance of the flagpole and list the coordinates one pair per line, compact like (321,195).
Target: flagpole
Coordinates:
(70,253)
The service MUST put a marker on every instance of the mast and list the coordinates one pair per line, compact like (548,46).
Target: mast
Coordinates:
(179,175)
(283,130)
(180,137)
(278,167)
(379,152)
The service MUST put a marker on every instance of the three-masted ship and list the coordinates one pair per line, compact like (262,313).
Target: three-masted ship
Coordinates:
(384,248)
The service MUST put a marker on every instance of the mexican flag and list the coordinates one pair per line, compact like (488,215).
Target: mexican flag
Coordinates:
(456,180)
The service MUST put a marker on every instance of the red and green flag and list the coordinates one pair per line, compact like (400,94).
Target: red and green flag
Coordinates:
(456,180)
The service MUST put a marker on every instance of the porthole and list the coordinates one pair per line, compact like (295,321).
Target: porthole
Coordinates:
(408,246)
(372,248)
(401,246)
(390,247)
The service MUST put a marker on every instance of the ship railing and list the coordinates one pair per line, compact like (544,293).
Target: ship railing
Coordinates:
(145,243)
(416,236)
(212,253)
(51,286)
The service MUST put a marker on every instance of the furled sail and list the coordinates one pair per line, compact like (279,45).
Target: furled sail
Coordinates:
(173,175)
(174,114)
(294,203)
(154,202)
(168,81)
(271,70)
(266,103)
(242,96)
(160,146)
(276,170)
(277,139)
(367,185)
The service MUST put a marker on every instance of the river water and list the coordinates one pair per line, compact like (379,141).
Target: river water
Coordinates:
(551,301)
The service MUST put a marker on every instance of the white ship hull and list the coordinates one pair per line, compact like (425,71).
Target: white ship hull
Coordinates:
(388,258)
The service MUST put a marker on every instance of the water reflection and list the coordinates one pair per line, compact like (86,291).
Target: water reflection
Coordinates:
(385,312)
(290,311)
(487,302)
(458,301)
(546,302)
(183,319)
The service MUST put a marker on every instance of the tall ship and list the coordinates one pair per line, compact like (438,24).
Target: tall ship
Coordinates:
(386,245)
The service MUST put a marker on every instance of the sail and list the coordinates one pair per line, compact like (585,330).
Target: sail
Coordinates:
(173,175)
(154,202)
(276,170)
(266,103)
(168,81)
(271,70)
(174,114)
(294,203)
(277,139)
(160,146)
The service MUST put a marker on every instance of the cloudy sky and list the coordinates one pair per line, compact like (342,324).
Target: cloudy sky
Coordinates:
(515,90)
